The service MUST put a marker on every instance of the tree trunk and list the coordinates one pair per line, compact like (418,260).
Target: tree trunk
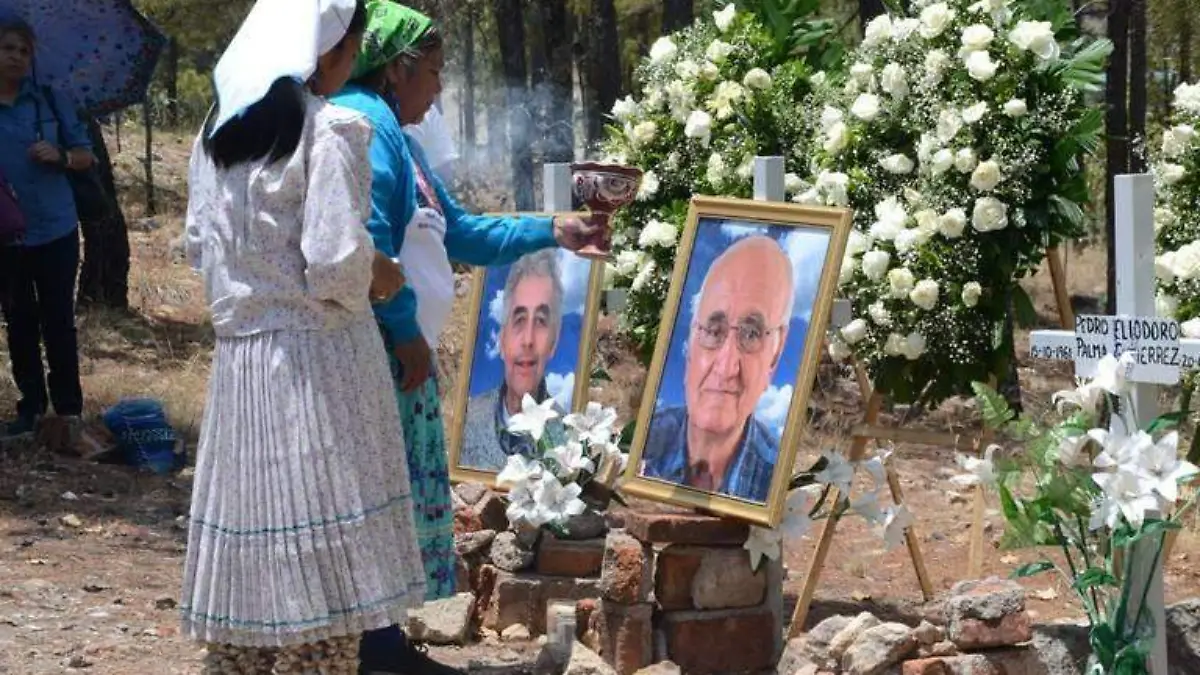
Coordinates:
(677,14)
(104,274)
(510,25)
(171,72)
(559,119)
(1137,84)
(1117,131)
(148,158)
(1185,47)
(603,71)
(468,101)
(869,9)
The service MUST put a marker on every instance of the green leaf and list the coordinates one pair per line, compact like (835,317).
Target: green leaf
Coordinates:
(1023,310)
(1094,577)
(601,375)
(1103,641)
(1167,421)
(1032,569)
(1084,70)
(994,409)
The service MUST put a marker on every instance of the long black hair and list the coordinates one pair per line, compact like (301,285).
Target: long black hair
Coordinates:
(272,127)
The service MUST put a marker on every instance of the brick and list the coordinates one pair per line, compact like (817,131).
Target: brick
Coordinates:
(624,632)
(964,664)
(626,574)
(971,634)
(707,577)
(566,558)
(674,568)
(522,597)
(483,585)
(934,666)
(686,528)
(719,641)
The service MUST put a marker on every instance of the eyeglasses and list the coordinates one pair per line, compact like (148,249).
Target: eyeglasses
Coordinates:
(751,335)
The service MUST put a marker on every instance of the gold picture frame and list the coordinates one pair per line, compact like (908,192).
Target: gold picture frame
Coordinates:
(582,372)
(703,213)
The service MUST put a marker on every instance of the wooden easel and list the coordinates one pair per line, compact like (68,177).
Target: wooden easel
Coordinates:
(871,430)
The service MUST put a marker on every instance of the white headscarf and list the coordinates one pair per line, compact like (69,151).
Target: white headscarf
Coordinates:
(279,38)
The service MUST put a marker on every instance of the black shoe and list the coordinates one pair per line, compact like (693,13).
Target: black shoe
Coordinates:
(413,660)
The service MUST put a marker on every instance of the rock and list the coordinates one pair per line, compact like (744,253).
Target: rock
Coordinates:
(584,661)
(470,493)
(442,622)
(468,544)
(988,613)
(71,520)
(928,634)
(164,603)
(79,661)
(660,668)
(849,634)
(508,555)
(587,525)
(943,648)
(515,633)
(824,632)
(1183,636)
(796,657)
(878,648)
(626,574)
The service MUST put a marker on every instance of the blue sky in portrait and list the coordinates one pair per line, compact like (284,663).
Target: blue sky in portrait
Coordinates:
(487,370)
(806,248)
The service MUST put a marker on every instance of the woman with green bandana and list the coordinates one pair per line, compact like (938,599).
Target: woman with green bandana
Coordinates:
(413,218)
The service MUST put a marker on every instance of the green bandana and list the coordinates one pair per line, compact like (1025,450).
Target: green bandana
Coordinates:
(392,30)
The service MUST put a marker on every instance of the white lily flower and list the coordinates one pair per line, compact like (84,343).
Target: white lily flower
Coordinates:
(519,470)
(796,523)
(876,467)
(1112,374)
(1127,493)
(1072,450)
(594,425)
(763,543)
(839,473)
(558,501)
(572,458)
(1086,397)
(533,417)
(1161,460)
(1119,450)
(980,470)
(867,506)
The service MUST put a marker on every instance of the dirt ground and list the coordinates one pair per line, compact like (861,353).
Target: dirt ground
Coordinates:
(90,555)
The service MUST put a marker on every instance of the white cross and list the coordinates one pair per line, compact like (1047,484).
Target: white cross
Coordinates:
(1158,360)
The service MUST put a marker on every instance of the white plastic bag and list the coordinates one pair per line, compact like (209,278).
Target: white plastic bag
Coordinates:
(427,271)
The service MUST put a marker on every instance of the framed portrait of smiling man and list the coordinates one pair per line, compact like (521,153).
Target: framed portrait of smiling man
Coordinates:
(532,332)
(743,331)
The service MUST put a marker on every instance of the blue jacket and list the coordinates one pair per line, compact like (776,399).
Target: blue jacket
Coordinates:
(471,239)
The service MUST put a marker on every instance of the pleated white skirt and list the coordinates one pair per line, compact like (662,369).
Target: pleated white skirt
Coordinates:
(301,518)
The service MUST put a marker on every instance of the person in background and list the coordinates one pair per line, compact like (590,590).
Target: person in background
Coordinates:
(396,80)
(301,532)
(37,150)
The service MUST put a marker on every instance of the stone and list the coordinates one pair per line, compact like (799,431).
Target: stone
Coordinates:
(587,525)
(796,656)
(71,520)
(660,668)
(943,648)
(720,641)
(993,662)
(624,634)
(1183,636)
(473,544)
(462,574)
(442,622)
(626,574)
(986,614)
(849,634)
(928,634)
(824,632)
(508,555)
(584,611)
(515,633)
(686,528)
(491,512)
(522,598)
(470,492)
(566,558)
(706,577)
(584,661)
(878,648)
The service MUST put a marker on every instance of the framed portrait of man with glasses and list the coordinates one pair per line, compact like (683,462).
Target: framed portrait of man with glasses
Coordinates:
(744,328)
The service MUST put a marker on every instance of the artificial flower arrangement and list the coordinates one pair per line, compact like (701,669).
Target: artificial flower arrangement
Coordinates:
(568,473)
(710,98)
(956,137)
(1176,220)
(1094,493)
(809,500)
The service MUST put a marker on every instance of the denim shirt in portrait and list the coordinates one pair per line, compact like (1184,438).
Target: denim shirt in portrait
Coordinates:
(748,475)
(43,192)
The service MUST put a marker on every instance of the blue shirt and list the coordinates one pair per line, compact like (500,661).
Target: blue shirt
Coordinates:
(474,240)
(748,476)
(43,191)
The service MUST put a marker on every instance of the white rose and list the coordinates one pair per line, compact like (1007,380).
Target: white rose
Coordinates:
(837,137)
(1190,328)
(829,117)
(810,197)
(724,18)
(687,69)
(924,294)
(914,346)
(1164,266)
(833,185)
(854,332)
(1166,305)
(1164,217)
(875,264)
(905,240)
(902,29)
(718,51)
(893,81)
(1177,139)
(926,146)
(974,113)
(699,127)
(880,315)
(726,94)
(942,161)
(976,37)
(643,276)
(655,96)
(663,50)
(1187,97)
(948,124)
(658,233)
(1171,173)
(1036,37)
(856,243)
(895,345)
(745,170)
(757,78)
(926,219)
(889,219)
(897,163)
(866,107)
(1185,263)
(971,292)
(846,273)
(935,19)
(913,197)
(716,171)
(649,186)
(792,183)
(936,62)
(624,109)
(952,223)
(838,351)
(861,72)
(1015,108)
(628,262)
(902,281)
(980,66)
(643,133)
(709,71)
(990,214)
(986,176)
(877,31)
(965,160)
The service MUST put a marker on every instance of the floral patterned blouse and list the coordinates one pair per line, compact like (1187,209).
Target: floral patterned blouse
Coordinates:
(284,246)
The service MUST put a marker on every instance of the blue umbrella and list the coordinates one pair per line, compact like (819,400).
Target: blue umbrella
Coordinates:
(101,53)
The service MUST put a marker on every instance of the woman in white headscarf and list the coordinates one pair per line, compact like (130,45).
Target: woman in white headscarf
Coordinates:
(301,534)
